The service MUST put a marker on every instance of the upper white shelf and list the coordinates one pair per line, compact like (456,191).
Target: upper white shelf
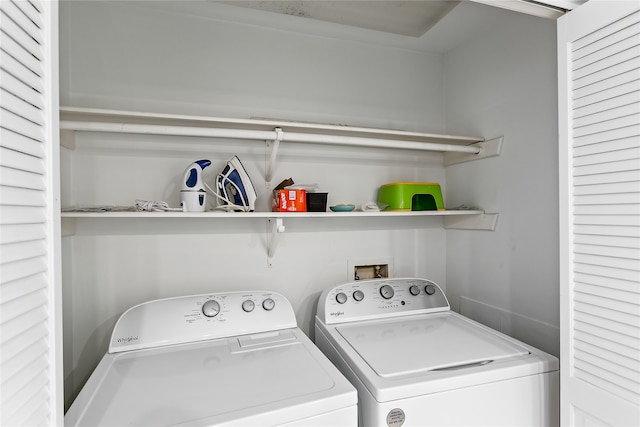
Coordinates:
(99,120)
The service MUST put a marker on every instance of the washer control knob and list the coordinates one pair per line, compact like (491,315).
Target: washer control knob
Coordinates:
(386,291)
(341,297)
(268,304)
(358,295)
(211,308)
(414,290)
(430,289)
(248,305)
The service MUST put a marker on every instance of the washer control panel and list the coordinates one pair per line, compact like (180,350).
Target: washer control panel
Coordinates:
(200,317)
(373,299)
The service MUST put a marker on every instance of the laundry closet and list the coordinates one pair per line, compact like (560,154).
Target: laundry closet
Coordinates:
(479,72)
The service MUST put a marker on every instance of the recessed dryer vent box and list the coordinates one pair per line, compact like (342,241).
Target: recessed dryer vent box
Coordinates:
(370,269)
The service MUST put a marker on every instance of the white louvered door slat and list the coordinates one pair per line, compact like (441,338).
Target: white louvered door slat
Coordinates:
(23,143)
(614,346)
(17,124)
(607,107)
(21,324)
(17,160)
(32,11)
(16,60)
(16,13)
(599,82)
(596,41)
(611,336)
(17,106)
(617,252)
(15,178)
(20,89)
(597,100)
(601,113)
(30,306)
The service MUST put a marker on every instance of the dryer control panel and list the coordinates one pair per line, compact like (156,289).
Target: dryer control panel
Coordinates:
(200,317)
(380,298)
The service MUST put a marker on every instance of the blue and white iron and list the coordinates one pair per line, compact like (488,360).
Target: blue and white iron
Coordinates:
(234,189)
(193,195)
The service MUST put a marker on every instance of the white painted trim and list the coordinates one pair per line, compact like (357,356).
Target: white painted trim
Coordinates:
(523,6)
(54,245)
(565,215)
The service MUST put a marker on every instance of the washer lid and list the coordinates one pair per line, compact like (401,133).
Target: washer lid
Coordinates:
(217,382)
(420,344)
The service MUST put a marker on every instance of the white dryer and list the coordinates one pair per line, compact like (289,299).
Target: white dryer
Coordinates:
(233,359)
(417,363)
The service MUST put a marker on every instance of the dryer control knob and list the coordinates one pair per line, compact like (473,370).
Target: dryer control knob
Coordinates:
(386,291)
(248,305)
(341,297)
(358,295)
(414,290)
(211,308)
(430,289)
(268,304)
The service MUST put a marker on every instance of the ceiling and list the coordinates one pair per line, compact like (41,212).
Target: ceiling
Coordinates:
(408,18)
(413,18)
(433,26)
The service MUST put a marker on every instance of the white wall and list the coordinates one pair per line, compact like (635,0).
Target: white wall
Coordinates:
(212,60)
(504,83)
(122,56)
(202,58)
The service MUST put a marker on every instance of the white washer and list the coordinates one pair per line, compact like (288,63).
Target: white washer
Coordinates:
(417,363)
(233,359)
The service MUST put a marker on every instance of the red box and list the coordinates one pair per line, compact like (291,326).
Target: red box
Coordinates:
(289,201)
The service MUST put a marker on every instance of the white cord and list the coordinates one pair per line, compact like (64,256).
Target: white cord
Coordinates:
(230,206)
(159,206)
(154,206)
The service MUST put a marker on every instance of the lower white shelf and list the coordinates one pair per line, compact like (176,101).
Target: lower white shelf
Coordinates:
(453,219)
(215,214)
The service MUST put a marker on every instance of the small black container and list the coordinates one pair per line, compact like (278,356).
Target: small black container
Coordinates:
(316,202)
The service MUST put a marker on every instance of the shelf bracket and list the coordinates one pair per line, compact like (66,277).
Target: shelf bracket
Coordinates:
(272,152)
(67,227)
(68,139)
(489,148)
(274,227)
(486,221)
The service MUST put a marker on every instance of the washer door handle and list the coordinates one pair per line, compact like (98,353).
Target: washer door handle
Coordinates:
(464,366)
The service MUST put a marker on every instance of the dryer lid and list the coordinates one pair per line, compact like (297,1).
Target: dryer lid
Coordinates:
(212,382)
(420,344)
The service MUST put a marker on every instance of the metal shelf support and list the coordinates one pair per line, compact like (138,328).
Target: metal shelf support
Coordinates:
(272,151)
(274,227)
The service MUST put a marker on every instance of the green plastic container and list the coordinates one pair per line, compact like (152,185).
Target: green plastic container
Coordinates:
(411,196)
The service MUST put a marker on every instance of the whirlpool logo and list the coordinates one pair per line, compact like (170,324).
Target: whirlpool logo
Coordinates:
(127,340)
(337,313)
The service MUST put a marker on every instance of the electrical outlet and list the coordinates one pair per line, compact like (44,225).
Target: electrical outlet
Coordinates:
(369,269)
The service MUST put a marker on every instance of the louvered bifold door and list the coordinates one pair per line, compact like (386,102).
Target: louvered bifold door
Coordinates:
(29,225)
(600,214)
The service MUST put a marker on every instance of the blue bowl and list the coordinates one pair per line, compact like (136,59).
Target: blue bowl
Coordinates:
(342,208)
